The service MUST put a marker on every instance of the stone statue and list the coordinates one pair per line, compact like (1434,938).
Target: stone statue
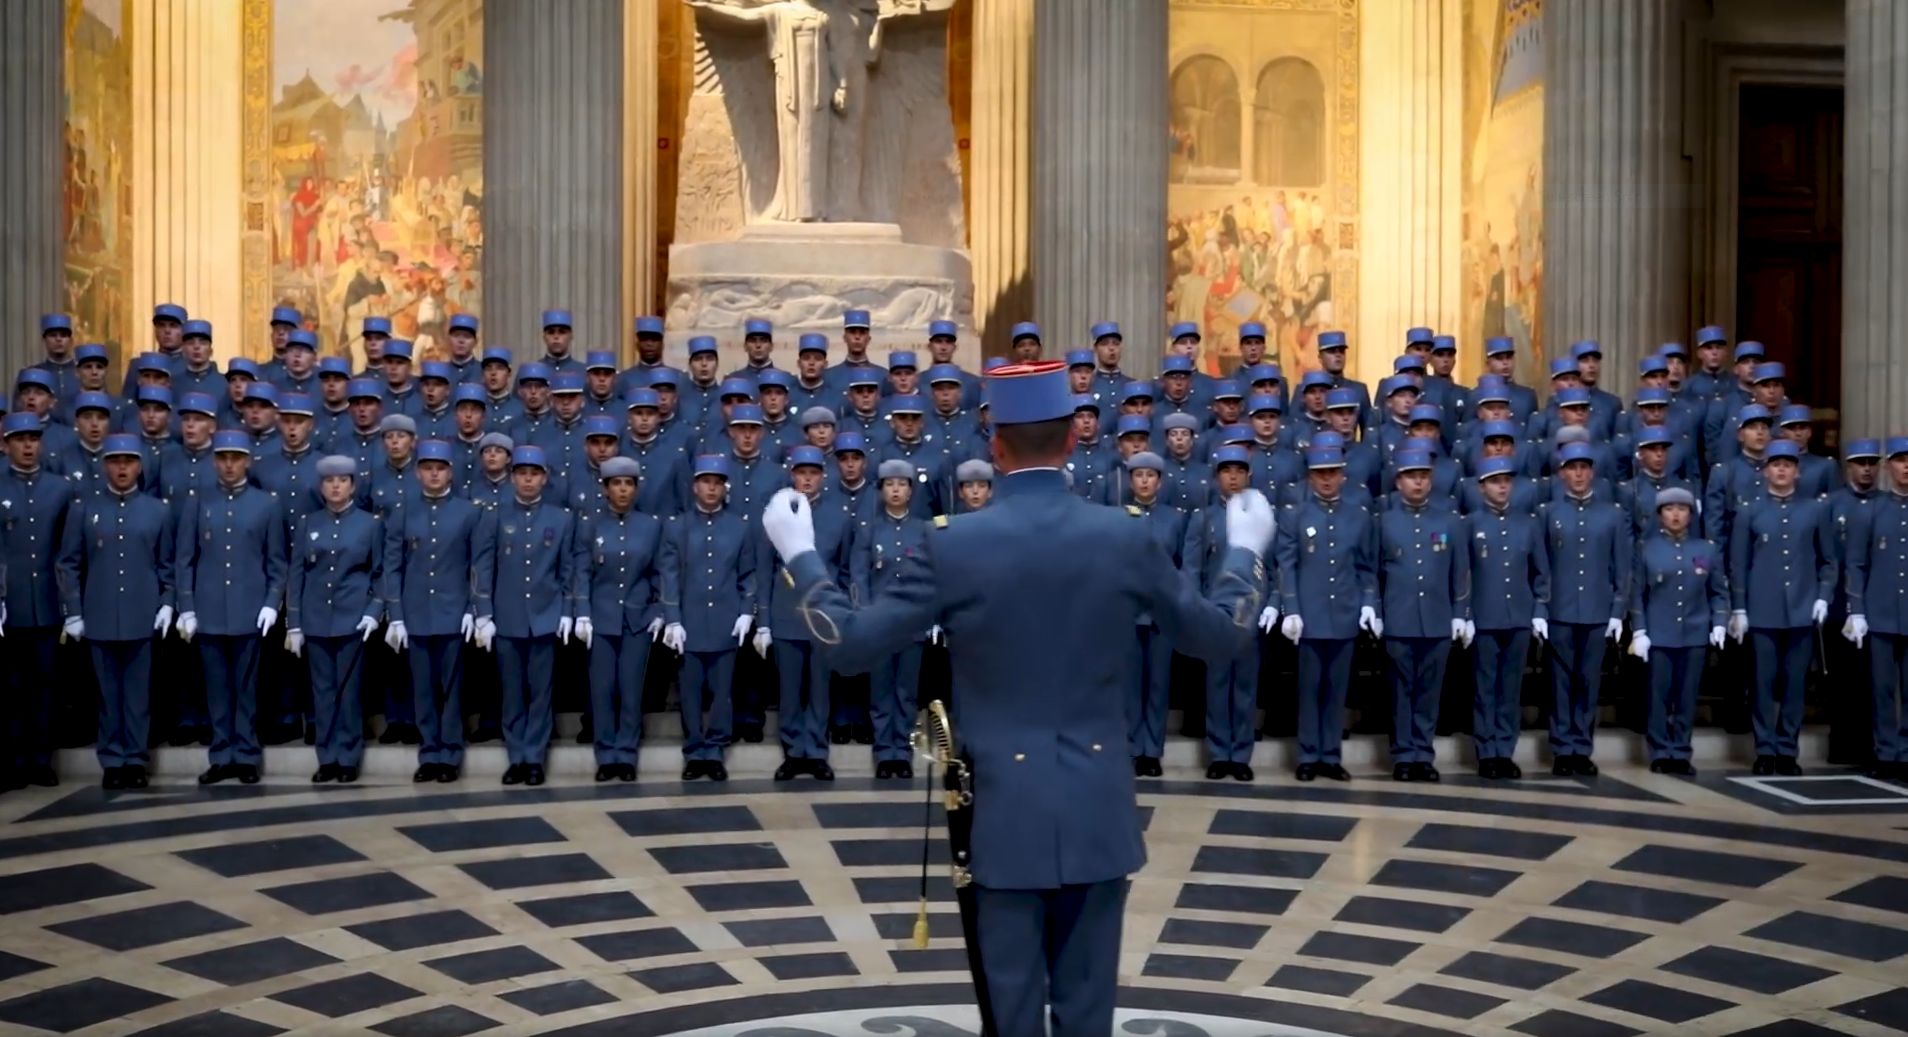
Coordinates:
(820,51)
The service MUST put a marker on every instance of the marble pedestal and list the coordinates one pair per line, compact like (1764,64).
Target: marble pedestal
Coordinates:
(802,276)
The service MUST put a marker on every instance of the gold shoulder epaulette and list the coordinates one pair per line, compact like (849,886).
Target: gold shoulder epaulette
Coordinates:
(1133,510)
(940,522)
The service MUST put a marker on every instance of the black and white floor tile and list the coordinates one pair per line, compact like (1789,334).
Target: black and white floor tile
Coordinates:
(1631,903)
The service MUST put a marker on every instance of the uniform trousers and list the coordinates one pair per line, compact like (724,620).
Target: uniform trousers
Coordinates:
(124,670)
(801,671)
(1324,679)
(1676,679)
(705,682)
(1051,947)
(179,701)
(748,687)
(1851,714)
(1417,686)
(389,681)
(618,664)
(437,685)
(1887,657)
(1497,711)
(893,691)
(527,666)
(231,696)
(1232,706)
(337,675)
(1576,677)
(1782,667)
(1148,687)
(284,682)
(30,694)
(850,698)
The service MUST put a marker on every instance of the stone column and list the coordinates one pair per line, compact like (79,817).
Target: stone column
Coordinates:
(1099,173)
(642,66)
(1615,250)
(999,194)
(553,170)
(33,42)
(1411,177)
(1875,222)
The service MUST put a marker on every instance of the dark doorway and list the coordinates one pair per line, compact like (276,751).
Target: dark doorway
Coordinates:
(1789,240)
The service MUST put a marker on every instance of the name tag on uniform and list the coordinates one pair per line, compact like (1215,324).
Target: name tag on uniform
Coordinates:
(1765,538)
(1881,544)
(1700,564)
(549,535)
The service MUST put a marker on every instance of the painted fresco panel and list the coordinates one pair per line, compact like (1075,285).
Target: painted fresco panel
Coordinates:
(96,194)
(1503,251)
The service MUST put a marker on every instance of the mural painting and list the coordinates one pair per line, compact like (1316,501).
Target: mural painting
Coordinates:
(1262,178)
(377,166)
(96,194)
(1503,250)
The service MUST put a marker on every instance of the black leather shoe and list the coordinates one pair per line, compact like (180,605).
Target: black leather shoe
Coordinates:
(311,733)
(1683,768)
(626,772)
(1764,765)
(822,771)
(717,772)
(607,772)
(1660,766)
(884,769)
(204,735)
(1562,767)
(426,772)
(513,774)
(1241,772)
(42,775)
(1584,766)
(1403,772)
(864,734)
(216,773)
(1787,767)
(588,732)
(788,770)
(407,733)
(1306,772)
(1155,769)
(1424,772)
(838,736)
(1139,766)
(134,776)
(750,733)
(347,775)
(389,735)
(904,770)
(247,773)
(446,773)
(1218,771)
(326,772)
(1333,771)
(691,770)
(533,774)
(183,736)
(1489,768)
(114,778)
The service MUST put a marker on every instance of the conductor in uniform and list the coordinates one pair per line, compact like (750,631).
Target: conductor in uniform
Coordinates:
(1025,591)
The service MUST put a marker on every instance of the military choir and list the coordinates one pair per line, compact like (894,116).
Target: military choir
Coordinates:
(466,546)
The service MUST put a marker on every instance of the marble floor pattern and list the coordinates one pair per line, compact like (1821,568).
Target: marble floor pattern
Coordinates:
(1629,903)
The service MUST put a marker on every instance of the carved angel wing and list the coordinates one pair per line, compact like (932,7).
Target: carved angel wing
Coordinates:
(738,70)
(910,166)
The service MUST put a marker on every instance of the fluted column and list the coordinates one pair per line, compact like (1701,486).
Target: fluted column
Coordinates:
(642,67)
(32,41)
(1410,184)
(553,169)
(1875,221)
(1099,172)
(1000,193)
(1615,255)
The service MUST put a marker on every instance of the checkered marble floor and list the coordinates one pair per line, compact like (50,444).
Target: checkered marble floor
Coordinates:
(1629,903)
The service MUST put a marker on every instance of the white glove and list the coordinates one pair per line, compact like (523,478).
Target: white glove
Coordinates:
(187,625)
(1614,630)
(367,626)
(1856,629)
(1457,630)
(486,633)
(789,524)
(584,630)
(656,629)
(3,619)
(674,637)
(73,629)
(936,635)
(468,626)
(267,617)
(740,631)
(1640,645)
(1818,611)
(1368,621)
(1249,521)
(1738,625)
(1540,629)
(395,635)
(564,626)
(1717,635)
(1269,618)
(762,641)
(295,641)
(162,622)
(1293,628)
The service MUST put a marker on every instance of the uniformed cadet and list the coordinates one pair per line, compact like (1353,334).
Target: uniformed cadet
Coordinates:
(89,366)
(1710,377)
(1108,379)
(779,430)
(231,564)
(374,333)
(291,471)
(558,337)
(151,417)
(298,369)
(117,589)
(1091,463)
(196,372)
(334,399)
(973,485)
(1232,685)
(363,438)
(909,441)
(627,611)
(602,435)
(562,437)
(466,365)
(862,410)
(663,488)
(434,417)
(1037,701)
(1151,678)
(490,484)
(1766,382)
(810,387)
(504,407)
(717,553)
(600,395)
(535,412)
(1510,595)
(1024,342)
(1652,477)
(1878,608)
(1187,479)
(1734,482)
(470,419)
(1591,563)
(1653,417)
(1679,602)
(1818,474)
(649,356)
(92,422)
(1606,407)
(392,479)
(752,475)
(57,359)
(1782,571)
(1441,387)
(893,534)
(332,608)
(539,586)
(1856,496)
(1424,576)
(1732,393)
(699,394)
(284,320)
(33,394)
(35,506)
(758,349)
(801,662)
(439,569)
